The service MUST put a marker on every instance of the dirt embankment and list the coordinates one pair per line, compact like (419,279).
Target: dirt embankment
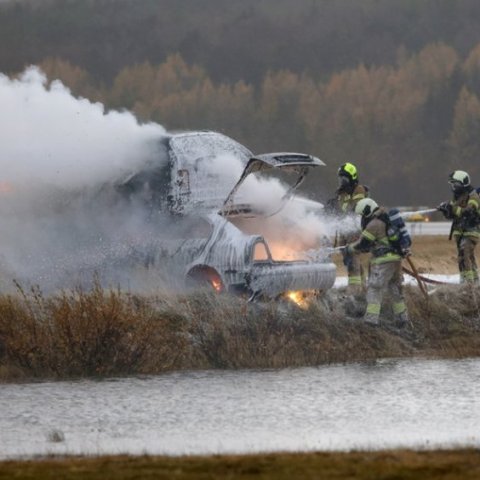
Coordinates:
(99,333)
(102,333)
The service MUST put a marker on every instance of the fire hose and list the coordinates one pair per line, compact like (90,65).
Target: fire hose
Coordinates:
(423,278)
(412,271)
(417,276)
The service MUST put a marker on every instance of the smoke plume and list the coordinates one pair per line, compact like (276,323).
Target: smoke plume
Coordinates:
(51,138)
(54,148)
(62,220)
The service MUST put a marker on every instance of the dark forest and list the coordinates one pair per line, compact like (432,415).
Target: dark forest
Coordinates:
(393,86)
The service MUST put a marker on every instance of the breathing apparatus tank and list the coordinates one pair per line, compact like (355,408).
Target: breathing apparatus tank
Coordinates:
(397,232)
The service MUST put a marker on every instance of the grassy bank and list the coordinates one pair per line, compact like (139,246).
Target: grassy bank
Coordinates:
(405,465)
(98,333)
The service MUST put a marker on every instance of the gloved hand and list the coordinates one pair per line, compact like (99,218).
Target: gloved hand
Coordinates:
(446,208)
(442,207)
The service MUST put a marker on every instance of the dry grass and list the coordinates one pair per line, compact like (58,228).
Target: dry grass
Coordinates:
(398,464)
(81,333)
(98,333)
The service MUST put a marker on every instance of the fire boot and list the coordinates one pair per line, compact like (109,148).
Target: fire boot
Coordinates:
(371,320)
(372,315)
(402,320)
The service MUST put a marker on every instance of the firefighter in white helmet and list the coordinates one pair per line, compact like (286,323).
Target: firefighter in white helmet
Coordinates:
(464,210)
(348,194)
(385,264)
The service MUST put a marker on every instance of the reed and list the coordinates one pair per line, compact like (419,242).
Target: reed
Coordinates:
(98,332)
(84,333)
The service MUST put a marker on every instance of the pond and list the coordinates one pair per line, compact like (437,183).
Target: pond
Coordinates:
(413,403)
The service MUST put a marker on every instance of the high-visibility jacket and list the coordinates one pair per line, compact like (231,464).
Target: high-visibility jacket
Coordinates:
(466,215)
(347,201)
(374,239)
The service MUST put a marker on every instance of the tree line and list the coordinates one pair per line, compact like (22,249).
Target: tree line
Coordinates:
(406,126)
(231,40)
(391,86)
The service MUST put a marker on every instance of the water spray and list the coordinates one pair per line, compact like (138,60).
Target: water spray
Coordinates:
(418,212)
(315,255)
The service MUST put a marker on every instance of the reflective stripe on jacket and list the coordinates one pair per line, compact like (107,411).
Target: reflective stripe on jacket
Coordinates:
(468,203)
(374,239)
(348,201)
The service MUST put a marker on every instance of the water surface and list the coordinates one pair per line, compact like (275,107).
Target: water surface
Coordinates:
(389,403)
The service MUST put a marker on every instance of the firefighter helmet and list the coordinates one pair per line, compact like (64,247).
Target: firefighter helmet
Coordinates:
(460,177)
(348,170)
(366,207)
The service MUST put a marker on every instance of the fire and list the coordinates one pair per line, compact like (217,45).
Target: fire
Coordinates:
(284,252)
(216,284)
(300,298)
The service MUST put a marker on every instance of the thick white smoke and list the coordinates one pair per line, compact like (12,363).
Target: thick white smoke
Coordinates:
(54,148)
(50,137)
(291,224)
(60,215)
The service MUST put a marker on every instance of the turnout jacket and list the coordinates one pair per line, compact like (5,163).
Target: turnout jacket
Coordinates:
(465,212)
(374,239)
(348,200)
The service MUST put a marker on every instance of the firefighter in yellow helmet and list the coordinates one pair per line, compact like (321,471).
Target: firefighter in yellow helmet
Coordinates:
(464,210)
(385,275)
(348,194)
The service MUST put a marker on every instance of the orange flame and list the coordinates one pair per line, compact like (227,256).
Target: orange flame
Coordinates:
(300,298)
(216,284)
(283,252)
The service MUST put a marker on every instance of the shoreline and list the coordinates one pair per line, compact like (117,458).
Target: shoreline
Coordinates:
(451,464)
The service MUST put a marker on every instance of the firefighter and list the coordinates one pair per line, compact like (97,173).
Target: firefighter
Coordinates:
(385,265)
(348,194)
(464,210)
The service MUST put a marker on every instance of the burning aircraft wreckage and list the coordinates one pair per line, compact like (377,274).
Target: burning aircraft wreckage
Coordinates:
(203,210)
(231,229)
